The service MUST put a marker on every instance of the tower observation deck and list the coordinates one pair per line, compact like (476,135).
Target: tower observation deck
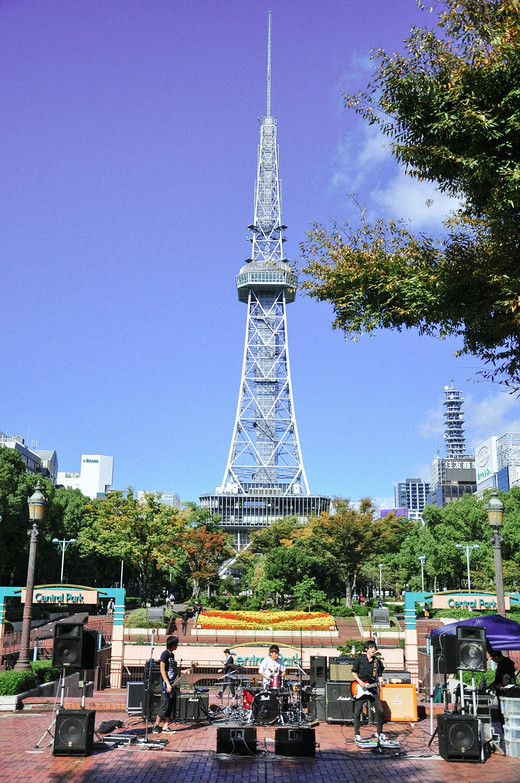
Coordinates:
(265,479)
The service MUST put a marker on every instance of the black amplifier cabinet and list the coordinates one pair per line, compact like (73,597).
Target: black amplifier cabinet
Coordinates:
(339,702)
(192,706)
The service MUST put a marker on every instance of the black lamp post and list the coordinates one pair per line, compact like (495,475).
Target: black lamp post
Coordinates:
(495,511)
(36,503)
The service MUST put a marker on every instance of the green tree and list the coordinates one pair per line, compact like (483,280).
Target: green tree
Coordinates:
(15,487)
(344,536)
(450,105)
(145,534)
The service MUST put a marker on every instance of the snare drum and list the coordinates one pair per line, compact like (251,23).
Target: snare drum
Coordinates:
(276,681)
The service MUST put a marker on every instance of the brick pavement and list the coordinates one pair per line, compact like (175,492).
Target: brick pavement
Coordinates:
(190,756)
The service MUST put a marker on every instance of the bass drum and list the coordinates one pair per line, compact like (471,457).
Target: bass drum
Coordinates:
(265,707)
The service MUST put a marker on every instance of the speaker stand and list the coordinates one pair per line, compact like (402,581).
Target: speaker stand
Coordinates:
(50,729)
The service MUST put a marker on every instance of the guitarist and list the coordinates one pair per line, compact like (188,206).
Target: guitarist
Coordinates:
(367,670)
(169,670)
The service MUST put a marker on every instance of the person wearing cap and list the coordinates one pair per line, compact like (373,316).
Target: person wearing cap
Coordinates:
(229,668)
(271,665)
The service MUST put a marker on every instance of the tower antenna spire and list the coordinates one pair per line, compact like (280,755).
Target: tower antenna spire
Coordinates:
(268,113)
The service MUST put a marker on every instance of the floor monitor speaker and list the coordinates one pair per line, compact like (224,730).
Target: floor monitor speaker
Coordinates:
(74,732)
(297,741)
(238,740)
(459,738)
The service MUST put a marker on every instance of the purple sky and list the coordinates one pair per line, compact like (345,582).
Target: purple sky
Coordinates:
(128,133)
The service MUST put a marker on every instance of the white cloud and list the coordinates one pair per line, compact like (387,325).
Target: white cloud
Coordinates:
(364,165)
(495,415)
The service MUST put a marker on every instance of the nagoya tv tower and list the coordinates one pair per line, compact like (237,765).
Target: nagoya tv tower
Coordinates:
(264,479)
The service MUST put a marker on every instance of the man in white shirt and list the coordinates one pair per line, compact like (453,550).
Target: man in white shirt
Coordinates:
(271,666)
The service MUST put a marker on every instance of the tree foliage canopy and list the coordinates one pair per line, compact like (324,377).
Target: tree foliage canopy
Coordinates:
(451,106)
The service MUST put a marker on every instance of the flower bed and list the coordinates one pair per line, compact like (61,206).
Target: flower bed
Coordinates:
(258,621)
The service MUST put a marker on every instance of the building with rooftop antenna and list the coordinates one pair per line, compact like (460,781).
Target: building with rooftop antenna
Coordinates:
(454,475)
(264,479)
(453,423)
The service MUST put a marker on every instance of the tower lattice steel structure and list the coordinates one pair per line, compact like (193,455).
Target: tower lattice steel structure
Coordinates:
(264,477)
(454,439)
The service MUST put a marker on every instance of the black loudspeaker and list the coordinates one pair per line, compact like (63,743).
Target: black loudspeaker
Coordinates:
(471,648)
(459,738)
(318,673)
(339,702)
(444,653)
(74,646)
(298,741)
(317,709)
(241,741)
(152,685)
(74,732)
(192,706)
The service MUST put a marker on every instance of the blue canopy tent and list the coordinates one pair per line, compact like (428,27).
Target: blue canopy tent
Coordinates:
(501,633)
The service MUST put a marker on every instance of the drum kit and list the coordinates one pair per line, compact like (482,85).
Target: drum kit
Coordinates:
(277,701)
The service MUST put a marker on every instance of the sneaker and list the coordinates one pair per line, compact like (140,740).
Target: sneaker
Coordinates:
(156,729)
(381,737)
(357,738)
(168,730)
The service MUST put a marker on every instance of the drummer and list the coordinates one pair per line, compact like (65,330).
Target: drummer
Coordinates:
(272,668)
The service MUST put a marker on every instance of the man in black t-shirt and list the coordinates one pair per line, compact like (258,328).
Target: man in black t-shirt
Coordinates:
(367,669)
(168,668)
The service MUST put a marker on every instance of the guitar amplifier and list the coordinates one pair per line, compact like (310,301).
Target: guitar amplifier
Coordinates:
(192,706)
(340,669)
(399,702)
(339,703)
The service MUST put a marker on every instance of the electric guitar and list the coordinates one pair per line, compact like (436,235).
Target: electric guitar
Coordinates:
(357,690)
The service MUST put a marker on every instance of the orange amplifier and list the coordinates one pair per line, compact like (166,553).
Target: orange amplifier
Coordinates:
(399,702)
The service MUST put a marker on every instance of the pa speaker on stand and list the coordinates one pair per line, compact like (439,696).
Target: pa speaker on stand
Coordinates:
(74,647)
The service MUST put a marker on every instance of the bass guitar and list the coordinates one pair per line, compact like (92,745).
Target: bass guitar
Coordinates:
(178,678)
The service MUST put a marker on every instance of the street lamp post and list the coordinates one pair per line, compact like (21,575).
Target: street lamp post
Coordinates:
(380,566)
(36,503)
(63,543)
(495,511)
(422,558)
(468,548)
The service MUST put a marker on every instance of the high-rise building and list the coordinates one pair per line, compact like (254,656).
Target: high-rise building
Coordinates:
(95,478)
(36,461)
(453,421)
(264,478)
(454,475)
(411,494)
(497,461)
